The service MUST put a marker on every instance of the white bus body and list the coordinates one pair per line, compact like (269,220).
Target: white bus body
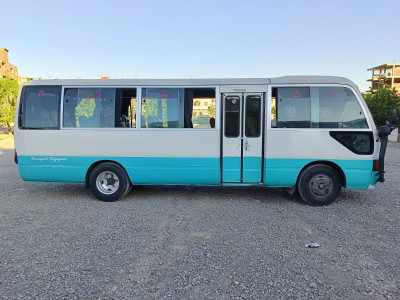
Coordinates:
(315,134)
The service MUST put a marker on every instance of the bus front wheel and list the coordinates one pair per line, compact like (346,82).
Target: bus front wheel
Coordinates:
(109,182)
(319,185)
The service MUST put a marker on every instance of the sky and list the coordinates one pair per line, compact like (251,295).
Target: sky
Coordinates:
(200,39)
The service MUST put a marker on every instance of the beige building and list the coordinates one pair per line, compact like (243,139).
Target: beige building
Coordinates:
(7,69)
(387,75)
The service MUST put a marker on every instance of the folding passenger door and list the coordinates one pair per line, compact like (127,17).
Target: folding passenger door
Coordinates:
(242,137)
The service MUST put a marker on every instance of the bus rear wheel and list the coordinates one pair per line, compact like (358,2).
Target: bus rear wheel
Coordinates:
(319,185)
(109,182)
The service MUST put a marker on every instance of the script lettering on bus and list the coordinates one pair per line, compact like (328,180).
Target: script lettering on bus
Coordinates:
(49,158)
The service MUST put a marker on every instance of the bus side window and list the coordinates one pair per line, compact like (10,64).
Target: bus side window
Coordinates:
(89,107)
(293,107)
(178,107)
(337,107)
(125,108)
(40,107)
(316,107)
(273,107)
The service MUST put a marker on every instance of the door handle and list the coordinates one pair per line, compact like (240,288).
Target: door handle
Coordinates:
(246,145)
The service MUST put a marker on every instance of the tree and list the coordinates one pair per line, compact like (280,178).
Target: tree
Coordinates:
(381,105)
(8,99)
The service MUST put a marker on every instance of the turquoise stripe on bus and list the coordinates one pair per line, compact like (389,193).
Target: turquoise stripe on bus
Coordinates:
(231,169)
(196,171)
(252,169)
(284,172)
(141,170)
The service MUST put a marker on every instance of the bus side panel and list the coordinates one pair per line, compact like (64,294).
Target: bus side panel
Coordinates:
(149,156)
(288,151)
(164,170)
(141,170)
(284,172)
(52,169)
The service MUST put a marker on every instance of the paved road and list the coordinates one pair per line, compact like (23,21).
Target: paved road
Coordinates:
(58,242)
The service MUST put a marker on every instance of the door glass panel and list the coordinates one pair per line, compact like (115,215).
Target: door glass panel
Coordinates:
(232,116)
(253,116)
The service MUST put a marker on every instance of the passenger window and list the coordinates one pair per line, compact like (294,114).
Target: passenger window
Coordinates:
(125,108)
(40,107)
(178,108)
(253,116)
(89,107)
(316,107)
(99,108)
(338,107)
(293,107)
(232,116)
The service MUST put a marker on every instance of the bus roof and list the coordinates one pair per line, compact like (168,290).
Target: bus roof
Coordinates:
(196,82)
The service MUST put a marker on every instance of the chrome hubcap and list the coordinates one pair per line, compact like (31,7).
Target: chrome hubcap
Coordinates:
(107,182)
(321,186)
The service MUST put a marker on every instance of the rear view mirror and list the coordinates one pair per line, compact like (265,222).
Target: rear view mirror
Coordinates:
(395,119)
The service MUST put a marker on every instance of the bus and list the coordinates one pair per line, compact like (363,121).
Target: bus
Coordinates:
(313,134)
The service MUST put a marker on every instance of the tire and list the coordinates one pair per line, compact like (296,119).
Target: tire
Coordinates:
(319,185)
(109,182)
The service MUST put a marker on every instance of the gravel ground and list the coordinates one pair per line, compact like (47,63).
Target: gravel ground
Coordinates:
(58,242)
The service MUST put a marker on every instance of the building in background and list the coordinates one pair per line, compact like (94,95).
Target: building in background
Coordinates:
(387,75)
(7,69)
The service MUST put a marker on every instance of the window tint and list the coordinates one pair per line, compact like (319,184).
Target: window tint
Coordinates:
(232,116)
(293,107)
(357,142)
(178,108)
(253,116)
(89,107)
(40,107)
(162,108)
(338,108)
(316,107)
(99,107)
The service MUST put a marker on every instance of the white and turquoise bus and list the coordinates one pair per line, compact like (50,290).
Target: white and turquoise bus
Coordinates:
(313,134)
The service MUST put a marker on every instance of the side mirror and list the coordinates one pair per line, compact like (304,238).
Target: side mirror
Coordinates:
(395,119)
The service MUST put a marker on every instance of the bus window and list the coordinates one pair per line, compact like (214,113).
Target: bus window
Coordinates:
(125,108)
(203,114)
(293,107)
(273,109)
(177,107)
(232,116)
(89,107)
(253,116)
(40,107)
(99,107)
(338,107)
(316,107)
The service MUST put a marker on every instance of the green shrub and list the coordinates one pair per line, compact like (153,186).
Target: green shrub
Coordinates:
(381,105)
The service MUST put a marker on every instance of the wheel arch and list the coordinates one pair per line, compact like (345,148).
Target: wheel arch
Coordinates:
(94,165)
(334,166)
